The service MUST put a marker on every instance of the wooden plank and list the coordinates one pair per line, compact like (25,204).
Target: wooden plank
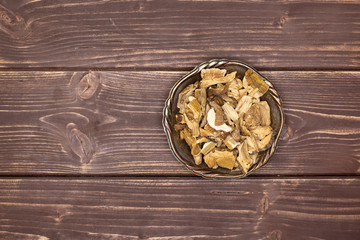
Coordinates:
(110,123)
(179,34)
(179,209)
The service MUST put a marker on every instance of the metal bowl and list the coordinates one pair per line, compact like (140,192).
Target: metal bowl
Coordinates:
(179,147)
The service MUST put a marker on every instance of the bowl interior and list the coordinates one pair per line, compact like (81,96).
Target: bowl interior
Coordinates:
(179,147)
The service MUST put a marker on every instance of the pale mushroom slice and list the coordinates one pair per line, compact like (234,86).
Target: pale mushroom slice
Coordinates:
(234,89)
(242,92)
(212,73)
(195,149)
(186,135)
(184,96)
(204,119)
(236,132)
(264,143)
(244,104)
(211,122)
(198,159)
(209,146)
(207,133)
(252,144)
(263,134)
(192,125)
(260,132)
(219,89)
(230,112)
(209,81)
(230,142)
(219,113)
(243,158)
(253,157)
(202,96)
(255,93)
(265,113)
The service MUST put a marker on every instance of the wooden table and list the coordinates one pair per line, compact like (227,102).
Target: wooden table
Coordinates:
(83,154)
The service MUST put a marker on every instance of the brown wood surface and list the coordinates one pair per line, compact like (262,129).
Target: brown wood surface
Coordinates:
(164,35)
(82,151)
(180,208)
(110,123)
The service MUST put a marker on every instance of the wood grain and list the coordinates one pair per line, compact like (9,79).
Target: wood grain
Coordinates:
(110,123)
(179,34)
(179,209)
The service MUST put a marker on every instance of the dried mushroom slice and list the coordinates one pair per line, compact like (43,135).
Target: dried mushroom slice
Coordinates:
(184,95)
(252,117)
(252,144)
(227,159)
(230,142)
(243,158)
(236,133)
(226,162)
(255,81)
(209,146)
(195,107)
(261,132)
(230,112)
(212,73)
(265,113)
(193,126)
(195,149)
(263,143)
(210,80)
(211,121)
(209,160)
(258,114)
(244,104)
(198,159)
(219,114)
(234,89)
(202,140)
(189,139)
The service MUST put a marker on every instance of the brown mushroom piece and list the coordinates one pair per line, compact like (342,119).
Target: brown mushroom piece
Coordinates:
(211,73)
(244,104)
(263,143)
(243,158)
(261,132)
(193,126)
(211,121)
(211,80)
(223,159)
(234,89)
(265,113)
(255,81)
(236,133)
(198,159)
(230,112)
(252,117)
(184,95)
(219,113)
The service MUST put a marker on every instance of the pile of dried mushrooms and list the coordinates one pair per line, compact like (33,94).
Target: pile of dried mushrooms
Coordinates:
(223,120)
